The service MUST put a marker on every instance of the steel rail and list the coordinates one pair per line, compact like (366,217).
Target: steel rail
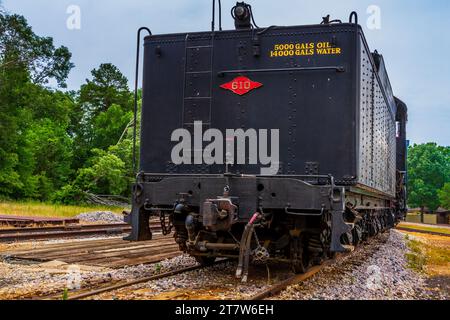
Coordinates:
(61,228)
(435,233)
(117,286)
(11,235)
(34,233)
(296,279)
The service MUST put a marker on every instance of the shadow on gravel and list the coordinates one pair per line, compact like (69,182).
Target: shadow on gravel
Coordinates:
(441,283)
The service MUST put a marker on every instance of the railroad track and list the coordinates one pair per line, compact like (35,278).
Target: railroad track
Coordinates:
(39,233)
(22,221)
(266,293)
(295,279)
(86,293)
(67,231)
(435,233)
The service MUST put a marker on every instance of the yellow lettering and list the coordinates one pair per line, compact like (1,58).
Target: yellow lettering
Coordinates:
(304,49)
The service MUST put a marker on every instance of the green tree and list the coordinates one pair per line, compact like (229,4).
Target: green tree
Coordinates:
(46,155)
(107,87)
(27,62)
(444,196)
(73,142)
(19,45)
(110,125)
(428,172)
(103,111)
(106,174)
(10,117)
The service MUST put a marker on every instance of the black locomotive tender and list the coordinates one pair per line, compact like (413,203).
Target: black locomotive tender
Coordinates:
(342,142)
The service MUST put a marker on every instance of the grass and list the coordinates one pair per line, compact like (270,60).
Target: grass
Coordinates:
(65,295)
(38,209)
(432,257)
(416,257)
(425,228)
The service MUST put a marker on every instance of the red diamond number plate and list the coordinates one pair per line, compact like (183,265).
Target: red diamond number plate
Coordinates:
(241,85)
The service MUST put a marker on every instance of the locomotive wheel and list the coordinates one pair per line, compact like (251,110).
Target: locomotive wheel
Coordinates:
(365,226)
(299,256)
(325,236)
(357,234)
(372,227)
(347,238)
(205,261)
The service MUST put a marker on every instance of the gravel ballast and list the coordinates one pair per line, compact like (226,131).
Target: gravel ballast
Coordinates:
(376,271)
(24,281)
(100,216)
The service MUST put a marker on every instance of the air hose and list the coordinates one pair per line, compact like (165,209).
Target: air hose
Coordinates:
(245,249)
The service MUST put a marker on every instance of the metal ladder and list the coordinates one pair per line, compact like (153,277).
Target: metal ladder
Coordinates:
(188,72)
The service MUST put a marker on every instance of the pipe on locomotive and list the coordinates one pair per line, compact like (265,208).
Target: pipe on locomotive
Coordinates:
(136,80)
(213,22)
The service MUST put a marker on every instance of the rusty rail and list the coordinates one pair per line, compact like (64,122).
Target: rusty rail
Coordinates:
(12,235)
(82,294)
(435,233)
(296,279)
(23,221)
(67,231)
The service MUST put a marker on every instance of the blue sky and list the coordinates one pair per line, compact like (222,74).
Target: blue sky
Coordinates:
(412,39)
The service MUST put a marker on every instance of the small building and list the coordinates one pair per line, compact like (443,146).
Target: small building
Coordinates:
(426,210)
(440,216)
(443,216)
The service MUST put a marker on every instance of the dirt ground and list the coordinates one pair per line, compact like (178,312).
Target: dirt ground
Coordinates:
(432,258)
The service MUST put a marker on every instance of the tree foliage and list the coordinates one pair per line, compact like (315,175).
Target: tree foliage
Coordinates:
(109,126)
(444,196)
(27,62)
(107,87)
(45,155)
(59,145)
(103,141)
(103,111)
(428,172)
(19,46)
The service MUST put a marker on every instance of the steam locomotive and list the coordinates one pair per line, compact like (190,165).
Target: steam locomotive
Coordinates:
(337,145)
